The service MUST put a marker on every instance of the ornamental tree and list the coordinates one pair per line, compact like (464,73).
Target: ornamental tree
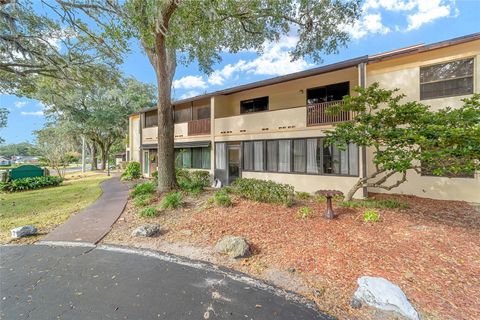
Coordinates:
(182,31)
(408,136)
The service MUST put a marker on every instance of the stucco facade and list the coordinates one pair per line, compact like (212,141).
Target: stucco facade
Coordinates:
(289,116)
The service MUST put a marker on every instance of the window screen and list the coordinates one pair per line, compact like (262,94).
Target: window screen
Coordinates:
(446,79)
(254,105)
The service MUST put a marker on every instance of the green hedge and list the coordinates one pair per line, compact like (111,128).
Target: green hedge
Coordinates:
(264,191)
(192,181)
(30,183)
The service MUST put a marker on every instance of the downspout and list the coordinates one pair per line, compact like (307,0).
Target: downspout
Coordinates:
(362,70)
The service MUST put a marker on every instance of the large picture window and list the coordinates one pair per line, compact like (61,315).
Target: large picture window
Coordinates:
(254,105)
(192,158)
(308,156)
(446,79)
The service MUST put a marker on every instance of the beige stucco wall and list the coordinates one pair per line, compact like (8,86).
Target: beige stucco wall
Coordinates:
(134,138)
(404,73)
(284,95)
(307,183)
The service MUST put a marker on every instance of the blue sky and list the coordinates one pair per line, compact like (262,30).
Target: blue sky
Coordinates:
(385,25)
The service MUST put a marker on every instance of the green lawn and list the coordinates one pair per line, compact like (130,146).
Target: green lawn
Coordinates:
(47,208)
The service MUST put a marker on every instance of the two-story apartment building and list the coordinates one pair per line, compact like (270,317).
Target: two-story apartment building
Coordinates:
(273,129)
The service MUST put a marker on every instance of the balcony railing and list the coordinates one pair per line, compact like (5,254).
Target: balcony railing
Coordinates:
(198,127)
(317,114)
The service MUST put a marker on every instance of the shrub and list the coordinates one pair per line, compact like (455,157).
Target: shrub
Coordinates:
(142,200)
(132,172)
(304,212)
(379,204)
(155,175)
(320,199)
(192,181)
(148,212)
(371,216)
(30,183)
(264,191)
(222,199)
(143,188)
(302,195)
(173,200)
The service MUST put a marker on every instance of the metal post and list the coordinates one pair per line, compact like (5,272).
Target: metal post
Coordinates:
(83,154)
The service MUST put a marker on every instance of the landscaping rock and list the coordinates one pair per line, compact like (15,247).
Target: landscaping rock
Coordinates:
(235,247)
(23,231)
(147,230)
(382,294)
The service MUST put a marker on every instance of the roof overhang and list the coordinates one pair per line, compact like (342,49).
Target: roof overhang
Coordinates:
(181,145)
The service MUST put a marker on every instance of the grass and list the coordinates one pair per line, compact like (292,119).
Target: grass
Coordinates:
(47,208)
(172,200)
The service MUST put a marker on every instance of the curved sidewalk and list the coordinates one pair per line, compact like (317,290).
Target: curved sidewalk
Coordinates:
(92,223)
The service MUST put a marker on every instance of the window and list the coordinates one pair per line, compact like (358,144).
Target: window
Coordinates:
(308,156)
(220,156)
(202,112)
(333,92)
(248,155)
(272,155)
(151,119)
(446,79)
(284,155)
(182,115)
(258,156)
(253,156)
(299,155)
(193,158)
(254,105)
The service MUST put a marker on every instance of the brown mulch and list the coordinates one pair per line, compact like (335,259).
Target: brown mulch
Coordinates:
(431,249)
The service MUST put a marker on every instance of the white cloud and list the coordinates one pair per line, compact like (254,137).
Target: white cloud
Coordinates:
(20,104)
(415,13)
(189,94)
(370,23)
(32,113)
(429,11)
(189,82)
(274,61)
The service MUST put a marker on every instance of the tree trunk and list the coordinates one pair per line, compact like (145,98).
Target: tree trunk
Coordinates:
(93,155)
(358,185)
(165,68)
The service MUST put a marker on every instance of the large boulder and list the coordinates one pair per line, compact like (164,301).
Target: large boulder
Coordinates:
(146,230)
(24,231)
(382,294)
(235,247)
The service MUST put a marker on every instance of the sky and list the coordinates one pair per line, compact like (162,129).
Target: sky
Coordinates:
(385,25)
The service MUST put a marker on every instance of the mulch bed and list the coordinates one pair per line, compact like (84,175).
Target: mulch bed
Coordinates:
(431,249)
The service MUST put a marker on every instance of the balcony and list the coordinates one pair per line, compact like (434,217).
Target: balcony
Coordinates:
(199,127)
(317,114)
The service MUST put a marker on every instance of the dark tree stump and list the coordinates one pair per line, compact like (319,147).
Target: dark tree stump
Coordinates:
(329,194)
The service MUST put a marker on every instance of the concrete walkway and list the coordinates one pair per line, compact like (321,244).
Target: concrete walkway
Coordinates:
(91,224)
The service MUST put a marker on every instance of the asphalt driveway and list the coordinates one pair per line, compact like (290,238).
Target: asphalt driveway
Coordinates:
(44,282)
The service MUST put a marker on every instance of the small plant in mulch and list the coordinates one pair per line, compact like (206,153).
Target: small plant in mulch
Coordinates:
(173,200)
(148,212)
(304,213)
(222,199)
(377,204)
(302,195)
(142,200)
(371,216)
(143,189)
